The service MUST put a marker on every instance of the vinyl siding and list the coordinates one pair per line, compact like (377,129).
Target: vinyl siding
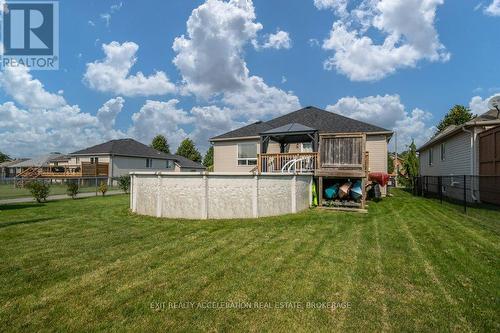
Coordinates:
(376,146)
(457,160)
(123,165)
(226,156)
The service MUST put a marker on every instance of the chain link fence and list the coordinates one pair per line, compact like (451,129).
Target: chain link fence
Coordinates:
(13,188)
(464,190)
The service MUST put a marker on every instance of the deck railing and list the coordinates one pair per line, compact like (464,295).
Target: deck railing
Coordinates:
(85,169)
(288,162)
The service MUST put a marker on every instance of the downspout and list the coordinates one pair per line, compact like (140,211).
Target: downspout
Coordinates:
(472,158)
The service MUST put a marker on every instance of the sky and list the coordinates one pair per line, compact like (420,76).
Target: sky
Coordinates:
(200,68)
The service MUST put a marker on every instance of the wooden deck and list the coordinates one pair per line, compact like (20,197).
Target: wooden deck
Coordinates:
(85,169)
(288,162)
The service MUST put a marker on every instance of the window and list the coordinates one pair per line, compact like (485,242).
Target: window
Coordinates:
(149,163)
(443,151)
(94,160)
(247,153)
(430,156)
(306,147)
(170,164)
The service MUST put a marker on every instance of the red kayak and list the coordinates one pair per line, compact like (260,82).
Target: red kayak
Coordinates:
(380,177)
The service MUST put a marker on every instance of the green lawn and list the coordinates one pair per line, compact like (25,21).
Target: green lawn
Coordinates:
(9,191)
(410,264)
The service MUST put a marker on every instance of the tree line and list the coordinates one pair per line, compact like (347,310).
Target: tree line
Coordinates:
(457,115)
(187,149)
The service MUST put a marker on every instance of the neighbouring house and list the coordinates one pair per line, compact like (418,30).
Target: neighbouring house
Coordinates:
(471,149)
(332,147)
(107,160)
(7,170)
(24,167)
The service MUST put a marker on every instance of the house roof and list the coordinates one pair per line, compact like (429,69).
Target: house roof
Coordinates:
(38,161)
(312,117)
(488,118)
(8,164)
(131,147)
(289,128)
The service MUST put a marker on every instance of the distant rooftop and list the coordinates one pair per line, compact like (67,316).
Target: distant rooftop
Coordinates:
(131,147)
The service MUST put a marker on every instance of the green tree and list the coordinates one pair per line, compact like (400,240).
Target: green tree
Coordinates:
(410,164)
(390,163)
(188,150)
(208,160)
(458,115)
(160,143)
(124,183)
(4,157)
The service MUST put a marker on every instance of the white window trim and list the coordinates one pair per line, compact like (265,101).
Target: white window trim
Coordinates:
(443,156)
(150,164)
(246,159)
(431,157)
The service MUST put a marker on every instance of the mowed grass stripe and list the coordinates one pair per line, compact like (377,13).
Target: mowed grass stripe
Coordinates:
(89,264)
(456,261)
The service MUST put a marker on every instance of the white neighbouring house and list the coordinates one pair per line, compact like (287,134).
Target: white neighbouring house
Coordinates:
(461,150)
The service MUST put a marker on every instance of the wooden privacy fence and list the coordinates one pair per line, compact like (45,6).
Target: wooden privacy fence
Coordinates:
(489,165)
(94,169)
(342,152)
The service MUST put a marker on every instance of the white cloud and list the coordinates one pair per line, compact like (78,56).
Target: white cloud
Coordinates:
(108,112)
(211,121)
(407,27)
(280,40)
(44,122)
(106,17)
(493,9)
(20,85)
(313,42)
(258,100)
(388,112)
(112,74)
(91,23)
(210,59)
(478,105)
(157,117)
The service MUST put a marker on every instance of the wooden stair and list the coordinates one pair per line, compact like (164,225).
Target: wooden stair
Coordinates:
(27,176)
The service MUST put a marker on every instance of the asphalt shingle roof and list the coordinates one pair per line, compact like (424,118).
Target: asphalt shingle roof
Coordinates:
(39,161)
(322,120)
(290,128)
(489,116)
(131,147)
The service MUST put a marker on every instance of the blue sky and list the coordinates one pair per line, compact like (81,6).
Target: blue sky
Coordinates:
(397,64)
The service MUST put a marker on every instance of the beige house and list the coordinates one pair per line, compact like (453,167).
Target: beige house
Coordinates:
(310,140)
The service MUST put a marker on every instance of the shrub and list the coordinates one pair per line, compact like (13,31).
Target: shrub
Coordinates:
(103,188)
(72,190)
(124,183)
(39,190)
